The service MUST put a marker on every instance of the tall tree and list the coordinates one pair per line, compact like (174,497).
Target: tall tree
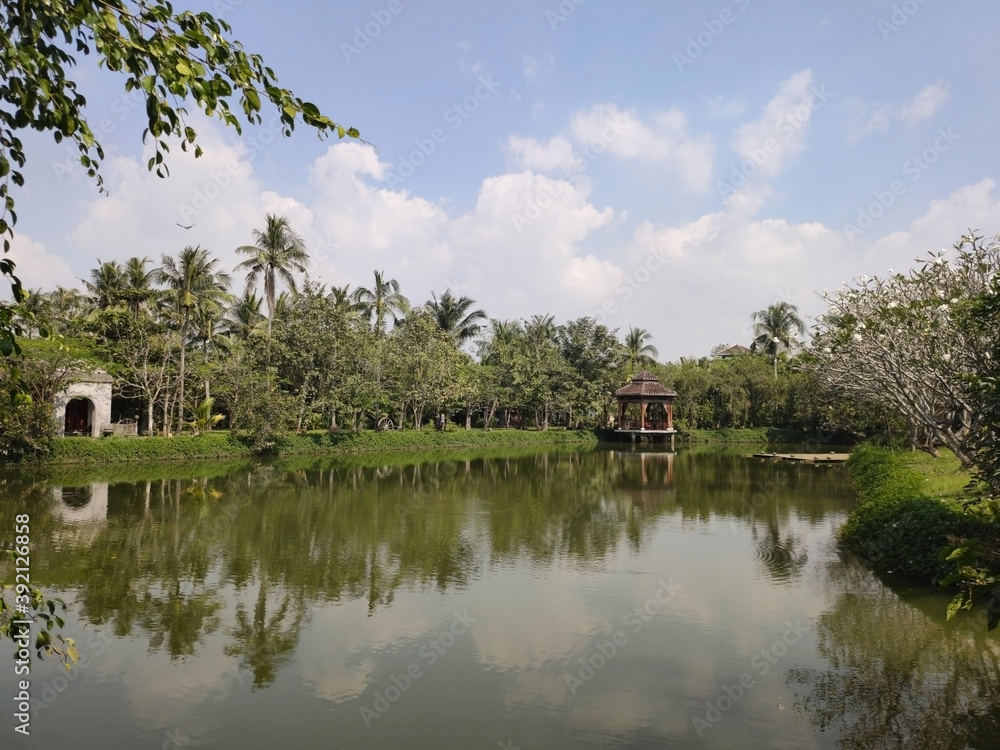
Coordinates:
(277,252)
(776,329)
(382,300)
(453,316)
(107,284)
(640,350)
(191,280)
(137,284)
(244,318)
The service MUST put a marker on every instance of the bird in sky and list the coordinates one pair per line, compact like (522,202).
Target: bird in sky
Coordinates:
(185,227)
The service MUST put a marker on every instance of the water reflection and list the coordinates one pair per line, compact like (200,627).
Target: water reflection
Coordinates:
(898,676)
(321,583)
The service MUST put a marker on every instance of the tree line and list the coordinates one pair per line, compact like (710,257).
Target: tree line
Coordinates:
(282,352)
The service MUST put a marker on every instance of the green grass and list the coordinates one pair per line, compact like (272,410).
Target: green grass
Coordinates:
(217,445)
(758,435)
(910,512)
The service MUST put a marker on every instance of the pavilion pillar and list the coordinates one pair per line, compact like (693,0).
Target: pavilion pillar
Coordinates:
(642,415)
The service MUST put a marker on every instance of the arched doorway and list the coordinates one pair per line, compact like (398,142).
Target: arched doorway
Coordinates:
(79,417)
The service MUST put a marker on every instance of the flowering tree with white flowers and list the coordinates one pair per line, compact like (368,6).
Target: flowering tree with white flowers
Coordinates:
(906,340)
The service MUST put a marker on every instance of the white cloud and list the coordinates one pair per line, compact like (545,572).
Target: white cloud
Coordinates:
(555,156)
(879,118)
(779,133)
(36,267)
(623,134)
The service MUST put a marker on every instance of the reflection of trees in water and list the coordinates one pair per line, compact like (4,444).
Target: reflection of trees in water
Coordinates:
(898,678)
(265,644)
(319,530)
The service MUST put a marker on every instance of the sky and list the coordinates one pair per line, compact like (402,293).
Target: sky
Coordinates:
(672,166)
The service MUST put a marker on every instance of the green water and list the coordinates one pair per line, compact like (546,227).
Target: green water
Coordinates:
(549,600)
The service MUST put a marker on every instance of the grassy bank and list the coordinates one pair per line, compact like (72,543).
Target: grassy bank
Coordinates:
(910,511)
(749,435)
(220,445)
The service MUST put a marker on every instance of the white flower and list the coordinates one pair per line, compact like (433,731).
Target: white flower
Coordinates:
(862,326)
(946,357)
(893,305)
(857,337)
(827,350)
(954,300)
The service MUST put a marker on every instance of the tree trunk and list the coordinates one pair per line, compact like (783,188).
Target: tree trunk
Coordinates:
(468,416)
(180,398)
(149,416)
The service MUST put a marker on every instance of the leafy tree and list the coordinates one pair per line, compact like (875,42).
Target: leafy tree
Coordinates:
(244,318)
(172,57)
(905,340)
(106,285)
(775,329)
(278,250)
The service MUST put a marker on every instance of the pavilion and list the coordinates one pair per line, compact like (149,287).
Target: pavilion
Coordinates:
(645,407)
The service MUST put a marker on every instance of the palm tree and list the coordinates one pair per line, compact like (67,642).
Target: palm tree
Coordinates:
(453,317)
(107,284)
(192,281)
(343,301)
(502,335)
(137,284)
(277,251)
(640,351)
(244,317)
(775,328)
(382,300)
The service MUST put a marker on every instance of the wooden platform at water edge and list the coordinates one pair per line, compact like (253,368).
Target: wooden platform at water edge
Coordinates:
(808,458)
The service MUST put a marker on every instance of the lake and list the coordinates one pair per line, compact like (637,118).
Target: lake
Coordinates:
(595,598)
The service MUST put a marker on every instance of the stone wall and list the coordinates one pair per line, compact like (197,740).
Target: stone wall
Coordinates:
(97,392)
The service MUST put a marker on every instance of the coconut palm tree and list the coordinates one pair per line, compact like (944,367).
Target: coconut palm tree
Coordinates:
(502,334)
(278,250)
(775,329)
(191,280)
(244,317)
(640,351)
(382,300)
(137,284)
(452,315)
(107,284)
(343,301)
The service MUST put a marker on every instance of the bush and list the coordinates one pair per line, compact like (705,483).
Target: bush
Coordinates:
(26,430)
(897,525)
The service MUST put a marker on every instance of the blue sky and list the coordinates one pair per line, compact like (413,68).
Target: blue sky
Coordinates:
(674,166)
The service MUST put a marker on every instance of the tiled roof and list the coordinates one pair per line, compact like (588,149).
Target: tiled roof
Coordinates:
(645,384)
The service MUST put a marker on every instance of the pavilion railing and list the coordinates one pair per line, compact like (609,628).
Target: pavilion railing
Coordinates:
(650,424)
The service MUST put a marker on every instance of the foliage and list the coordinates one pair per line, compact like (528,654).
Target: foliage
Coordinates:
(905,531)
(170,57)
(775,329)
(203,418)
(40,609)
(906,340)
(278,250)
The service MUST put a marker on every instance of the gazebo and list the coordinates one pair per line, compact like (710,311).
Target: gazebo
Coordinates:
(645,407)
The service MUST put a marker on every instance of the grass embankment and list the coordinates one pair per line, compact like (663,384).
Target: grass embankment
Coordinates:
(910,511)
(748,435)
(215,445)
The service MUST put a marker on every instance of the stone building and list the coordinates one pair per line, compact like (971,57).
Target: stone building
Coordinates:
(84,407)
